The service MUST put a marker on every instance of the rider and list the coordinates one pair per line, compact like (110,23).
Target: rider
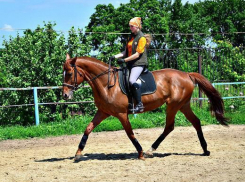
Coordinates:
(135,56)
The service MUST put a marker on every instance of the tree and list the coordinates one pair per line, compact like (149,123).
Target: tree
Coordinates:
(36,60)
(224,18)
(188,20)
(107,19)
(3,71)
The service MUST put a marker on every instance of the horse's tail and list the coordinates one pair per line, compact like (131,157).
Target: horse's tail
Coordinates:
(216,102)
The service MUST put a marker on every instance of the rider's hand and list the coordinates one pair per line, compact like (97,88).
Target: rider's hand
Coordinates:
(120,61)
(112,58)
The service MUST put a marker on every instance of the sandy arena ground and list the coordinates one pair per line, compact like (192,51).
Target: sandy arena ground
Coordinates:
(110,156)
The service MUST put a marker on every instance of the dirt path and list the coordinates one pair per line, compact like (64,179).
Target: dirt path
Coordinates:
(109,156)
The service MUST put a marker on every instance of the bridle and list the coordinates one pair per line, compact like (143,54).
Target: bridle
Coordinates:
(76,86)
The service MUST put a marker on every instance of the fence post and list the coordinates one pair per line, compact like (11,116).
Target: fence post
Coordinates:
(200,72)
(36,106)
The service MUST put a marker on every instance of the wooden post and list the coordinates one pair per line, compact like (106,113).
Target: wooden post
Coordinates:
(200,72)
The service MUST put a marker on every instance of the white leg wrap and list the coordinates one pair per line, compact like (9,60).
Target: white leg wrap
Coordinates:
(149,152)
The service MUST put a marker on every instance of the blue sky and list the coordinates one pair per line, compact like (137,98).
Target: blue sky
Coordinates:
(24,14)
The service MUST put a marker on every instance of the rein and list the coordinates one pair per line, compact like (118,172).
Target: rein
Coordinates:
(92,79)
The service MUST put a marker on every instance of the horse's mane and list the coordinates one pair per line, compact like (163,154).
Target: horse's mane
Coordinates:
(92,60)
(85,59)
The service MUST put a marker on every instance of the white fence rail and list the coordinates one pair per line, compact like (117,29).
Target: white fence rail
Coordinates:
(240,94)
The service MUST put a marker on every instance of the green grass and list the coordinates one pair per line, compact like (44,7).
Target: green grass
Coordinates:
(77,124)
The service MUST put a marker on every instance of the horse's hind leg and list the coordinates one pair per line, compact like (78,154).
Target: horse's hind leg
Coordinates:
(186,110)
(171,112)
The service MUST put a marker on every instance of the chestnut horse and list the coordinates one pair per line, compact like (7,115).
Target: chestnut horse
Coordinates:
(173,88)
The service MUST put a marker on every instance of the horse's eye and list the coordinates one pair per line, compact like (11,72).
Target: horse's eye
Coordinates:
(69,74)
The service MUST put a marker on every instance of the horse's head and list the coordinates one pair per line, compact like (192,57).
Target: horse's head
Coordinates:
(73,76)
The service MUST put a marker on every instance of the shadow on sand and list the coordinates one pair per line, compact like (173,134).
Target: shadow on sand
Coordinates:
(122,156)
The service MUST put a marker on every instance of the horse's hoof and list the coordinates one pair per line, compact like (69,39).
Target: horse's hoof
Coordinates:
(78,157)
(141,158)
(207,153)
(148,155)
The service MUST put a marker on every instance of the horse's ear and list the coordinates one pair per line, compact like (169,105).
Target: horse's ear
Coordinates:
(73,61)
(68,56)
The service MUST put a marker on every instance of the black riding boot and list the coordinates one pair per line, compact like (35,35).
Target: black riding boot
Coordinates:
(137,96)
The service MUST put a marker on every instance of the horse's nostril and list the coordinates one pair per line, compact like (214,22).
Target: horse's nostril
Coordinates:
(65,95)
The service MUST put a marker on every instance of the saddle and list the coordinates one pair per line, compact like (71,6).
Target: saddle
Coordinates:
(146,82)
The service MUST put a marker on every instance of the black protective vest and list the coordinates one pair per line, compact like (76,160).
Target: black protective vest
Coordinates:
(142,59)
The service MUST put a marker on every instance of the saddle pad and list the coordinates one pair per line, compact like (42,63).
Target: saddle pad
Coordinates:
(148,84)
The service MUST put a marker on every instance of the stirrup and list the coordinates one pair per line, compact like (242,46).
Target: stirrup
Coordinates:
(138,108)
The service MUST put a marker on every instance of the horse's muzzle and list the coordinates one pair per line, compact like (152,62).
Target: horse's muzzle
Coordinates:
(68,95)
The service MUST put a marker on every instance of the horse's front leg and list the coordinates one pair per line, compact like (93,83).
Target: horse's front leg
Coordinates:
(128,128)
(98,118)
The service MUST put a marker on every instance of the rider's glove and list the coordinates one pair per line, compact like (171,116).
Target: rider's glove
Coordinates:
(120,61)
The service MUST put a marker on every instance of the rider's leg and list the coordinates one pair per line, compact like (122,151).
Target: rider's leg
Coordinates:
(134,75)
